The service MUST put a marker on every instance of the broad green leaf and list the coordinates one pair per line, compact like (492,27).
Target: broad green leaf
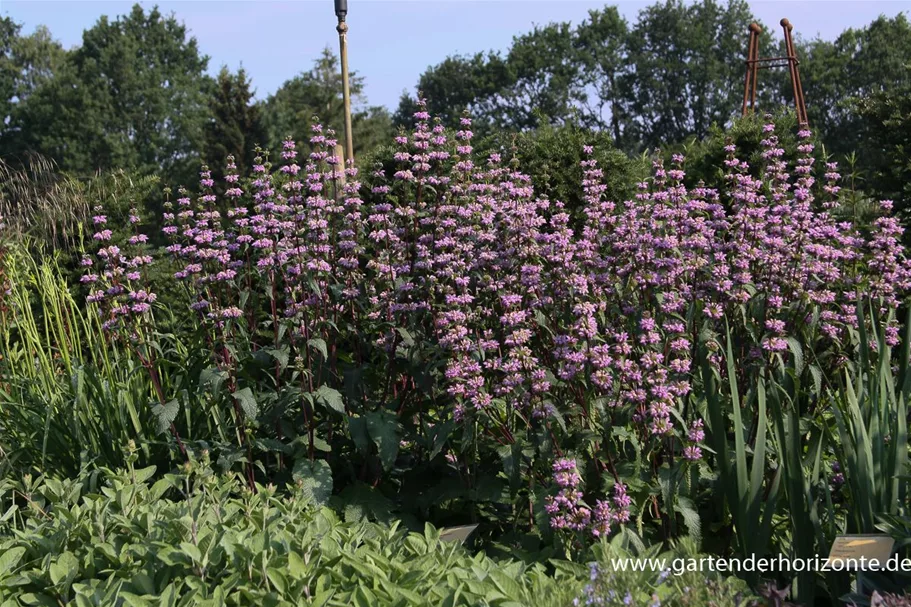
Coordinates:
(383,427)
(316,480)
(279,354)
(212,379)
(134,600)
(247,402)
(64,568)
(278,579)
(10,559)
(691,519)
(357,428)
(144,474)
(296,566)
(331,398)
(441,434)
(192,551)
(320,346)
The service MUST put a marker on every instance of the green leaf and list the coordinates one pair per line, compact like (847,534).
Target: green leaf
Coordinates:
(407,339)
(144,474)
(797,351)
(691,519)
(134,600)
(279,354)
(247,402)
(165,415)
(441,434)
(506,584)
(363,501)
(357,427)
(740,458)
(296,566)
(64,568)
(168,597)
(319,345)
(10,559)
(383,427)
(192,551)
(316,480)
(273,445)
(331,398)
(212,379)
(277,579)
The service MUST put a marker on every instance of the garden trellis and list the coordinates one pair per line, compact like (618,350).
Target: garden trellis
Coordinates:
(754,63)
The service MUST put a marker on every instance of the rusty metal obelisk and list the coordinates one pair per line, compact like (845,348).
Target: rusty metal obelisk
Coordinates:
(755,63)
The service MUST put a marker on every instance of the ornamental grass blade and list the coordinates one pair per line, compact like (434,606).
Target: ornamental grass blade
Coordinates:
(757,473)
(739,443)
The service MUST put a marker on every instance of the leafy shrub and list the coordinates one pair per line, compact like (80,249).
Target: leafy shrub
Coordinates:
(705,157)
(118,541)
(553,157)
(886,160)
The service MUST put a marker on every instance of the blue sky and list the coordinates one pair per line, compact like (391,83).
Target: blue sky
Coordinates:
(390,41)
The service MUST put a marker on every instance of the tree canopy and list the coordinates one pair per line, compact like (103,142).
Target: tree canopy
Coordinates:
(136,93)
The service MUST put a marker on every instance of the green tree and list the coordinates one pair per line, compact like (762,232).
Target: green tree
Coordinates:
(885,155)
(676,72)
(235,127)
(686,68)
(26,64)
(860,63)
(291,110)
(457,84)
(9,33)
(538,81)
(132,96)
(544,80)
(601,42)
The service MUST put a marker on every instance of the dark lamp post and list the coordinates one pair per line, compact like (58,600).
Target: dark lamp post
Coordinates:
(341,11)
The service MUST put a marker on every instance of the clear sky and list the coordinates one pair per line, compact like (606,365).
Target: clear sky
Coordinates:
(390,41)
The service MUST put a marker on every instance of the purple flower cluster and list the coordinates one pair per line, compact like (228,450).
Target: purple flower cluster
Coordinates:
(115,277)
(692,451)
(204,250)
(569,512)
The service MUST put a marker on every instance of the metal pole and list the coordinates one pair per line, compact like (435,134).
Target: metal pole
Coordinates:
(749,72)
(346,91)
(752,63)
(755,31)
(795,73)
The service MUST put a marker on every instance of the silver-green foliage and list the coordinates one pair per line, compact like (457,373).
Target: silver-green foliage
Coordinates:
(116,540)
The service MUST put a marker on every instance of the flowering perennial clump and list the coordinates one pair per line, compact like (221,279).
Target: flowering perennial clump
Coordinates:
(449,291)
